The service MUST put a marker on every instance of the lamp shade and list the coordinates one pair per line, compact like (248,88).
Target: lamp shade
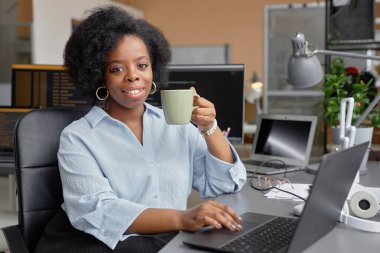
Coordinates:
(304,71)
(304,68)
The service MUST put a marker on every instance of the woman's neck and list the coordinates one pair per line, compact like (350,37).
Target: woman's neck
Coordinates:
(125,115)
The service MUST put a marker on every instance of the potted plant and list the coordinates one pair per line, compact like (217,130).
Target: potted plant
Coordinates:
(343,82)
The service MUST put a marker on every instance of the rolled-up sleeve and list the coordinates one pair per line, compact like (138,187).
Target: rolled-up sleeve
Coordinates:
(213,176)
(89,200)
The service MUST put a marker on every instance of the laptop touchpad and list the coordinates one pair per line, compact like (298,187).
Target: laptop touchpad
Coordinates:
(218,237)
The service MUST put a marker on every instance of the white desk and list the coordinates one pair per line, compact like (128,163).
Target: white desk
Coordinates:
(341,239)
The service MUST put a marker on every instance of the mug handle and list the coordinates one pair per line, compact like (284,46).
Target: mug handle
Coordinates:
(196,95)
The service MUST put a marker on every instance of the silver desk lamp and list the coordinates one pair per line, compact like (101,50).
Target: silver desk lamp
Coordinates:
(305,70)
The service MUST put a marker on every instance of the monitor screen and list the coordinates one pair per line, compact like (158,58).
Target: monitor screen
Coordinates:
(8,120)
(283,138)
(223,85)
(41,86)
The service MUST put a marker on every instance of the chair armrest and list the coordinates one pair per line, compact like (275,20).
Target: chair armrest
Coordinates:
(15,240)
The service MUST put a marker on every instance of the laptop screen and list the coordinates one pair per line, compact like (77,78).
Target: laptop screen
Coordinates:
(284,138)
(8,119)
(288,138)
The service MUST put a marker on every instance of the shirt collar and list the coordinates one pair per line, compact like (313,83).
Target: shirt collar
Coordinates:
(154,110)
(97,114)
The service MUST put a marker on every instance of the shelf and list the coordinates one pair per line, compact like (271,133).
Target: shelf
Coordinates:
(354,45)
(294,93)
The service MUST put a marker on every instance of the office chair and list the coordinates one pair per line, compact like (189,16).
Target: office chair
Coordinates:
(37,135)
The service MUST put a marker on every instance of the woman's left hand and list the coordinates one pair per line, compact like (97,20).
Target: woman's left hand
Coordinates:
(204,116)
(204,113)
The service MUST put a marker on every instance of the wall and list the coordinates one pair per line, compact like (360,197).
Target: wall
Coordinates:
(8,15)
(208,22)
(52,26)
(8,35)
(239,23)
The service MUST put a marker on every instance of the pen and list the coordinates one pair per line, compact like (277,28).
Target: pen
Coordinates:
(227,132)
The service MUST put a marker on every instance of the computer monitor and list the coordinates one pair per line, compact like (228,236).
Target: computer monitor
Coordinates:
(8,120)
(40,86)
(222,84)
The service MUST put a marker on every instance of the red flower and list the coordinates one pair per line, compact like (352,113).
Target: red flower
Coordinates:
(352,70)
(358,104)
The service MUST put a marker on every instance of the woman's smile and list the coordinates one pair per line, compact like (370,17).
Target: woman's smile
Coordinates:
(134,92)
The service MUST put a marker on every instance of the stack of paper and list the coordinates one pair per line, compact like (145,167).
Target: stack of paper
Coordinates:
(301,190)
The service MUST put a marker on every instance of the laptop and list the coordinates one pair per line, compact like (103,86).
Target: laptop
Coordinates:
(8,119)
(322,210)
(281,142)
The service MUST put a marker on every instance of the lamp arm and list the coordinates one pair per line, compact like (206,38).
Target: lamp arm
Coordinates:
(368,110)
(346,54)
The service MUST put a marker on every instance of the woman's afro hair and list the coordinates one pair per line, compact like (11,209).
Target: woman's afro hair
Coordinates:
(87,50)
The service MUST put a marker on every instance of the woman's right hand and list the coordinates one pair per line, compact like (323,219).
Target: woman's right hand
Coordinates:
(210,213)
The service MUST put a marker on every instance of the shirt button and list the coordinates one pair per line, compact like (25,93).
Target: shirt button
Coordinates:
(151,164)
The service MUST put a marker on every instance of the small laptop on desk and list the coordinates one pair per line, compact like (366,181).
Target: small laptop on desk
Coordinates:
(281,142)
(267,233)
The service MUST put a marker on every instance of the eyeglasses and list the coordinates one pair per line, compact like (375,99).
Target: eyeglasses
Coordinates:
(264,182)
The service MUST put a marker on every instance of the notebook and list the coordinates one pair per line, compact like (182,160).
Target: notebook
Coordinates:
(322,210)
(281,141)
(8,119)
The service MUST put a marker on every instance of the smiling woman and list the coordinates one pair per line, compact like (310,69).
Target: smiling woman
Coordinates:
(122,190)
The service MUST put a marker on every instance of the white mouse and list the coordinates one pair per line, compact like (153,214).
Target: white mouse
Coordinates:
(297,209)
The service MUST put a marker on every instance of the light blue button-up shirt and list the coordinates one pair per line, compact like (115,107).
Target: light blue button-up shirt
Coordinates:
(109,177)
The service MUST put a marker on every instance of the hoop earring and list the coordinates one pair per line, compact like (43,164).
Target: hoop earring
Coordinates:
(97,95)
(155,89)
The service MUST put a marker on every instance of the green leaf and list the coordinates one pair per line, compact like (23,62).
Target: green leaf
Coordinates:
(359,95)
(376,120)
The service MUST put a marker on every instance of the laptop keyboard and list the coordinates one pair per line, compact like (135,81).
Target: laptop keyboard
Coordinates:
(266,164)
(270,237)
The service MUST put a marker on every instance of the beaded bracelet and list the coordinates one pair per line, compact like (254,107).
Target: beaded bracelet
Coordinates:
(211,130)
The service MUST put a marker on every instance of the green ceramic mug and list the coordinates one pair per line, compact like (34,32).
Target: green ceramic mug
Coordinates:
(177,106)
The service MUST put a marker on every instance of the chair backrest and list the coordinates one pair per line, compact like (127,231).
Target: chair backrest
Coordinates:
(37,135)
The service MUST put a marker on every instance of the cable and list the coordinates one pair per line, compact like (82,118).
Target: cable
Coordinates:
(273,187)
(271,161)
(291,193)
(268,180)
